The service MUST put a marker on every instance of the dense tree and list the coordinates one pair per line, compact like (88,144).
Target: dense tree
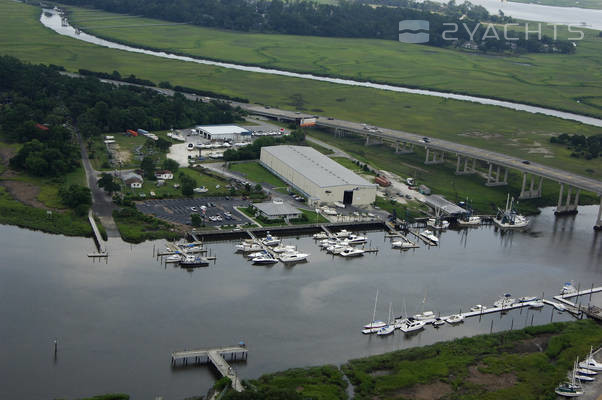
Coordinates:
(148,167)
(583,146)
(253,150)
(77,197)
(108,184)
(196,220)
(188,184)
(170,165)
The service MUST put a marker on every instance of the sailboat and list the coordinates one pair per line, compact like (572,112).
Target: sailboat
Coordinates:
(373,326)
(590,363)
(424,315)
(390,327)
(570,389)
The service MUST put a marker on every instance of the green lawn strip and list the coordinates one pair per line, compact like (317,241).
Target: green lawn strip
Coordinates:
(321,149)
(257,173)
(483,126)
(516,353)
(310,217)
(551,80)
(408,211)
(136,227)
(349,164)
(13,212)
(441,178)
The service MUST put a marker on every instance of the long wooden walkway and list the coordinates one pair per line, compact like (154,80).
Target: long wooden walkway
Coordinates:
(102,252)
(217,357)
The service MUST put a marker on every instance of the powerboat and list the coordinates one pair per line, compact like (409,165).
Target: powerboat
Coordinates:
(590,363)
(478,308)
(257,254)
(386,330)
(271,240)
(174,258)
(536,304)
(584,378)
(455,319)
(338,248)
(412,325)
(342,233)
(527,299)
(320,235)
(430,236)
(292,257)
(438,322)
(424,316)
(472,220)
(352,252)
(284,248)
(266,259)
(568,288)
(190,261)
(505,301)
(356,239)
(401,244)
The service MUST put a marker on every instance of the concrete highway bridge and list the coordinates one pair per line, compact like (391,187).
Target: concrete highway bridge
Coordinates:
(466,158)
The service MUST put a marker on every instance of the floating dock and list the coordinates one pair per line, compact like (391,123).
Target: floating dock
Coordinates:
(395,233)
(217,357)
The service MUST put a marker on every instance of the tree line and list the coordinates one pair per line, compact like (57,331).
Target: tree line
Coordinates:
(253,151)
(353,19)
(587,147)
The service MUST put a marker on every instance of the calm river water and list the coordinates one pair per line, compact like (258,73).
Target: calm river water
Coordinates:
(117,322)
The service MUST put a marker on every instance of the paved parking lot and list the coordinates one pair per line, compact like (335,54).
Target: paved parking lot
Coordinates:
(179,210)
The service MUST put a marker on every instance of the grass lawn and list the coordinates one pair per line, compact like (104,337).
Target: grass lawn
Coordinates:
(442,179)
(489,127)
(136,227)
(553,80)
(257,173)
(168,190)
(522,364)
(347,163)
(311,217)
(321,149)
(409,211)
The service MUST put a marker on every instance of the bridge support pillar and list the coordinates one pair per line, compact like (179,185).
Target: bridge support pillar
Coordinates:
(499,180)
(405,148)
(338,132)
(598,224)
(467,168)
(568,207)
(532,192)
(438,157)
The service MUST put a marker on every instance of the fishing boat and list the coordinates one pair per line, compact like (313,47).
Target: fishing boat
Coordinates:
(455,319)
(174,258)
(352,252)
(436,223)
(504,301)
(509,217)
(356,239)
(265,259)
(570,389)
(568,288)
(270,240)
(292,257)
(390,327)
(411,325)
(373,326)
(438,322)
(536,304)
(430,237)
(472,220)
(190,261)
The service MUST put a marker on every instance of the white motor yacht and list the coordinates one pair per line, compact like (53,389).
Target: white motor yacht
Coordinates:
(430,236)
(478,308)
(505,301)
(284,248)
(264,260)
(292,257)
(174,258)
(527,299)
(270,240)
(401,244)
(424,316)
(342,233)
(352,252)
(455,319)
(190,261)
(320,235)
(356,239)
(536,304)
(412,326)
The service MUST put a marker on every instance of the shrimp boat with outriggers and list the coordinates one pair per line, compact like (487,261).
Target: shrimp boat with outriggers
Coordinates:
(510,218)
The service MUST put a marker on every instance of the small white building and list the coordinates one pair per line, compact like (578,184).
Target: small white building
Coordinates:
(164,175)
(277,210)
(223,132)
(319,178)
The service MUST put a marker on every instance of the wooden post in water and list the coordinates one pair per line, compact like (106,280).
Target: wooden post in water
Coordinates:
(56,345)
(491,328)
(532,316)
(552,315)
(590,295)
(512,324)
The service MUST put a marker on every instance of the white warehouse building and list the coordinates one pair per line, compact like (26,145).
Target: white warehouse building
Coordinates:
(317,176)
(223,132)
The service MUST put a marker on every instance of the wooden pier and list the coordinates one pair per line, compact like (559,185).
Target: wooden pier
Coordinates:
(217,357)
(423,238)
(394,233)
(589,310)
(102,252)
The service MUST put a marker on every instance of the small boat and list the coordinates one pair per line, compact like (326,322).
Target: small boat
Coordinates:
(270,240)
(469,221)
(174,258)
(327,242)
(292,257)
(342,233)
(264,260)
(256,254)
(436,223)
(412,325)
(505,301)
(586,371)
(536,304)
(351,252)
(320,235)
(356,239)
(402,244)
(373,326)
(438,322)
(337,248)
(478,308)
(568,288)
(527,299)
(584,378)
(284,248)
(430,237)
(509,218)
(390,327)
(455,319)
(190,261)
(590,363)
(424,316)
(558,307)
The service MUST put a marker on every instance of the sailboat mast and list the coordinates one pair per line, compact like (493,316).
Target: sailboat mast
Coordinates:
(507,201)
(375,301)
(389,320)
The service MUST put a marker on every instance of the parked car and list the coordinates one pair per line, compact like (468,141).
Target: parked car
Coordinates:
(526,162)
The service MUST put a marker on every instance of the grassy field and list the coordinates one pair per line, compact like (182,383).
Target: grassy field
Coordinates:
(594,4)
(484,126)
(135,227)
(442,179)
(523,364)
(552,80)
(257,173)
(347,163)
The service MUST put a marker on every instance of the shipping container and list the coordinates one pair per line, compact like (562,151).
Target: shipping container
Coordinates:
(307,122)
(131,132)
(382,181)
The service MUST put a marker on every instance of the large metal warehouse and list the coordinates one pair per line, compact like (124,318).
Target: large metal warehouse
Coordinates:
(317,176)
(223,132)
